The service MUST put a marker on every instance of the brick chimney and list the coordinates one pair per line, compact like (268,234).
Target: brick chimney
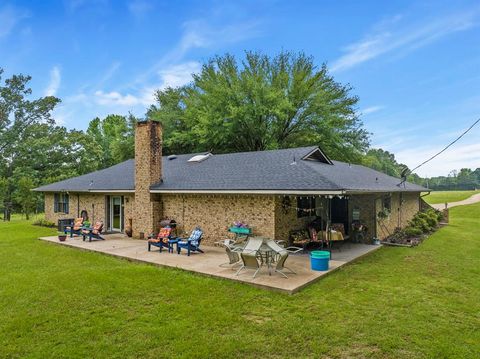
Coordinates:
(148,171)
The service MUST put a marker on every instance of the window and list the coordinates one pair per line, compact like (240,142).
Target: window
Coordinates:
(305,206)
(387,203)
(60,203)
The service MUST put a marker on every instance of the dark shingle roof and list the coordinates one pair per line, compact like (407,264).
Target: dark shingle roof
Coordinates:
(263,170)
(115,178)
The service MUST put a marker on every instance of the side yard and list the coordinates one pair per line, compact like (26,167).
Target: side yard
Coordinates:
(448,196)
(397,302)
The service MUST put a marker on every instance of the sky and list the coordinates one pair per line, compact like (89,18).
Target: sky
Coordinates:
(415,65)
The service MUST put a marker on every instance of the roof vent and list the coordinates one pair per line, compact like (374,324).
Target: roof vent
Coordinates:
(317,155)
(171,157)
(200,158)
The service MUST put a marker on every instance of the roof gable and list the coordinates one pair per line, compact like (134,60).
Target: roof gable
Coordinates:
(317,155)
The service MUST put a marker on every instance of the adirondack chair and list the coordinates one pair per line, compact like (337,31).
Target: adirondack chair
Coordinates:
(75,227)
(162,240)
(192,243)
(94,232)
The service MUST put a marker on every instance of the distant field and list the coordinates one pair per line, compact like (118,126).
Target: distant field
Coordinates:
(448,196)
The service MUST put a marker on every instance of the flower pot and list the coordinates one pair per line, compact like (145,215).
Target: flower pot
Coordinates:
(128,231)
(62,237)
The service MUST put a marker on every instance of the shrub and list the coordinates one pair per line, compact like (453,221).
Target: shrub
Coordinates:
(431,219)
(420,223)
(44,223)
(412,231)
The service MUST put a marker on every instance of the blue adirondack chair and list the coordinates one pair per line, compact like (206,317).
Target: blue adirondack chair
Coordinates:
(192,243)
(162,240)
(94,232)
(75,227)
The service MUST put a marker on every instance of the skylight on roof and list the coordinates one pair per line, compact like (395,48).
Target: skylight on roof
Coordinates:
(200,158)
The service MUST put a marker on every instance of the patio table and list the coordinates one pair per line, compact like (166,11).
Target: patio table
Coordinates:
(265,253)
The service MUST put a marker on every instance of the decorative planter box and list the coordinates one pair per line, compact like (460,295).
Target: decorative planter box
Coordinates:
(240,230)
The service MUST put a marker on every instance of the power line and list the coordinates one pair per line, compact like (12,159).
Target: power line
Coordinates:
(450,144)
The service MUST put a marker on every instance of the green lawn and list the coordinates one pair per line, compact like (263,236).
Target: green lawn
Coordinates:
(397,302)
(448,196)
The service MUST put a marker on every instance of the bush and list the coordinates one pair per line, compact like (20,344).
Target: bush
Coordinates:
(44,223)
(420,223)
(413,231)
(430,217)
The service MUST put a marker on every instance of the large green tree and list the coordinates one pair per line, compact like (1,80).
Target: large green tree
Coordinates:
(25,197)
(383,161)
(19,112)
(261,103)
(110,140)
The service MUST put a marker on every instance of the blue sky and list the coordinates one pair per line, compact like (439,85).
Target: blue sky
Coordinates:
(415,65)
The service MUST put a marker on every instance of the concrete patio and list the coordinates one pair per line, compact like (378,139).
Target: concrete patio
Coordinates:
(208,263)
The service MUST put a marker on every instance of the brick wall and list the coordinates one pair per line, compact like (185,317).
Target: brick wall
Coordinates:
(94,204)
(404,207)
(365,204)
(266,214)
(215,213)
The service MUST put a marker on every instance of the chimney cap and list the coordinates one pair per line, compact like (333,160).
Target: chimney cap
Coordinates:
(143,122)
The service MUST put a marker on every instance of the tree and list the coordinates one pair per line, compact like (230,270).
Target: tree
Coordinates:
(383,161)
(18,112)
(3,193)
(261,103)
(111,140)
(25,197)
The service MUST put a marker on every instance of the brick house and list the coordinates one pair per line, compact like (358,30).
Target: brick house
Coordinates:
(273,191)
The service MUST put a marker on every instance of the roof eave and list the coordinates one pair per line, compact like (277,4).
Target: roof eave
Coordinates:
(260,191)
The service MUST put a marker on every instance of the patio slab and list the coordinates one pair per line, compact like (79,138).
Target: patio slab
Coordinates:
(208,263)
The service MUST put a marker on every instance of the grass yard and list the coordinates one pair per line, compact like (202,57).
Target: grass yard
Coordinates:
(57,302)
(448,196)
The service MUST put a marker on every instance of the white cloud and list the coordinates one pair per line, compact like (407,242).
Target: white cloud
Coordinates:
(116,98)
(172,76)
(9,18)
(391,36)
(178,75)
(371,109)
(55,79)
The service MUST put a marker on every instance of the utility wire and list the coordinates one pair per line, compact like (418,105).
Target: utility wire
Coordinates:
(450,144)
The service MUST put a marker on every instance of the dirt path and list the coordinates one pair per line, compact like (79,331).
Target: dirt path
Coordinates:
(473,199)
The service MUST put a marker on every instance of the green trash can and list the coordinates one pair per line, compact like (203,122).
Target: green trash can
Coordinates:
(319,260)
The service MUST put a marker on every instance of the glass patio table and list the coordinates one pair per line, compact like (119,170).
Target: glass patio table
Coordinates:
(265,253)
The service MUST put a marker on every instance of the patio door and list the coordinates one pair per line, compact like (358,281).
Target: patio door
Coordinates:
(116,213)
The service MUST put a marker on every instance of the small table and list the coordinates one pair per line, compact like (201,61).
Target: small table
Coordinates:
(171,242)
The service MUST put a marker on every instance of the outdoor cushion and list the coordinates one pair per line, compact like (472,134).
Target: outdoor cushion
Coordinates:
(194,237)
(77,224)
(164,234)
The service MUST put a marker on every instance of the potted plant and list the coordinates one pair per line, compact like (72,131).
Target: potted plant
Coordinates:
(383,214)
(62,236)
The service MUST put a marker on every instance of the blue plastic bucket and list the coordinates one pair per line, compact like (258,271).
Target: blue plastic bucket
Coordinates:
(319,260)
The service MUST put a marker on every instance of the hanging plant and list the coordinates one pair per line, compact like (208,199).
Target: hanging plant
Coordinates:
(383,214)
